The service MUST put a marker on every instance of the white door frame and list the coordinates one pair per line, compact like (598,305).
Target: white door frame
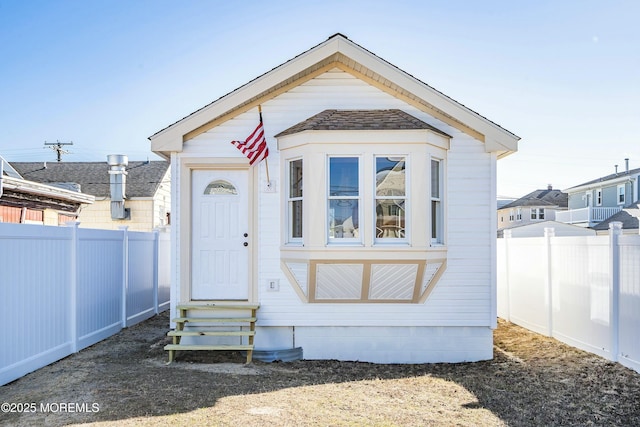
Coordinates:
(184,247)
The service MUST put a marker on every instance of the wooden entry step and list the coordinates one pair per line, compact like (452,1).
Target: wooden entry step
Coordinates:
(214,316)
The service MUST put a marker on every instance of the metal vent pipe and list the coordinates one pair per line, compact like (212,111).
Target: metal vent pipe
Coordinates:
(117,184)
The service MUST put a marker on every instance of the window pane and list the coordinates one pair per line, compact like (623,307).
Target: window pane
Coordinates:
(435,218)
(296,218)
(435,178)
(220,188)
(390,218)
(343,176)
(295,178)
(390,176)
(343,218)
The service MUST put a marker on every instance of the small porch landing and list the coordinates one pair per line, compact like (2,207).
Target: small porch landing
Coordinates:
(212,320)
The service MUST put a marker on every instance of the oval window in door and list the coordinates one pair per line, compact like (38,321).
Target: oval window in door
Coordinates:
(220,188)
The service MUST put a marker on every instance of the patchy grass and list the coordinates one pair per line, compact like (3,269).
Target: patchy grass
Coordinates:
(532,380)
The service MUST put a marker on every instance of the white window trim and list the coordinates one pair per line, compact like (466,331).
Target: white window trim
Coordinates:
(289,238)
(379,241)
(519,214)
(440,226)
(599,197)
(622,187)
(344,240)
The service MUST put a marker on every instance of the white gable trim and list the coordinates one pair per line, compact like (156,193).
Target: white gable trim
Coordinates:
(324,57)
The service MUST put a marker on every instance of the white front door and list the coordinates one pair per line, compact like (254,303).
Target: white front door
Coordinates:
(219,235)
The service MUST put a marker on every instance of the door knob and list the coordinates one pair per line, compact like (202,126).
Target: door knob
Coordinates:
(246,235)
(245,244)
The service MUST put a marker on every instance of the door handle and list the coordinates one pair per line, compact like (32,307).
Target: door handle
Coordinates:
(245,235)
(246,244)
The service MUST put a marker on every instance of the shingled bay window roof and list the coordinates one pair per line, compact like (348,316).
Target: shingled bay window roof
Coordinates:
(363,120)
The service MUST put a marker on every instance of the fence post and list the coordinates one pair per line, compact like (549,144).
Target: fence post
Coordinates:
(549,232)
(507,238)
(125,272)
(615,230)
(156,248)
(73,321)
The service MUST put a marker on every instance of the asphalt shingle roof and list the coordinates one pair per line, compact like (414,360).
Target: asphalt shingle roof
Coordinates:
(541,198)
(360,120)
(143,179)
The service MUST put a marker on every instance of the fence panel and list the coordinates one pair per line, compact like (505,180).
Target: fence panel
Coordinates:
(99,285)
(630,301)
(141,271)
(164,271)
(580,282)
(65,288)
(594,288)
(35,296)
(528,297)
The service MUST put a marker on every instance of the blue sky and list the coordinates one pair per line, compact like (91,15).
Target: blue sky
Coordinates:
(562,75)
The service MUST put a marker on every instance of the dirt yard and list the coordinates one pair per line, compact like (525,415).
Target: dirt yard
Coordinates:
(123,381)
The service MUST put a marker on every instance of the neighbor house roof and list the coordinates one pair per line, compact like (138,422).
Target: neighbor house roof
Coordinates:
(612,177)
(143,177)
(627,216)
(361,120)
(341,53)
(548,197)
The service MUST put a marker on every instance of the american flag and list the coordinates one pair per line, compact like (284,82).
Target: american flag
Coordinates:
(255,146)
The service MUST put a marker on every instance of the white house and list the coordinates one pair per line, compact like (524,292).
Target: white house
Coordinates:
(373,237)
(535,207)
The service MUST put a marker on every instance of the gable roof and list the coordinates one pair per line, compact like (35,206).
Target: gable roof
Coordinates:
(360,120)
(336,52)
(143,179)
(612,177)
(548,197)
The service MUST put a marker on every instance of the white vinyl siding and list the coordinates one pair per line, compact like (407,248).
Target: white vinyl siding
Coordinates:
(463,295)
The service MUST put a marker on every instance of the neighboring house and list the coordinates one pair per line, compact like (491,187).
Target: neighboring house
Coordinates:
(537,206)
(595,201)
(536,229)
(147,191)
(27,202)
(374,238)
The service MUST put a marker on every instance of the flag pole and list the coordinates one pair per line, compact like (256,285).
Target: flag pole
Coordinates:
(266,160)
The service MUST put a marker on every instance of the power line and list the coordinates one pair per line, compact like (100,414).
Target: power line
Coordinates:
(57,147)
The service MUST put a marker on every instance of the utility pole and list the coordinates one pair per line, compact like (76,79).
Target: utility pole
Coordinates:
(57,147)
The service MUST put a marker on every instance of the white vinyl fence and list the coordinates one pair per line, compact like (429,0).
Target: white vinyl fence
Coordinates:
(63,289)
(584,291)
